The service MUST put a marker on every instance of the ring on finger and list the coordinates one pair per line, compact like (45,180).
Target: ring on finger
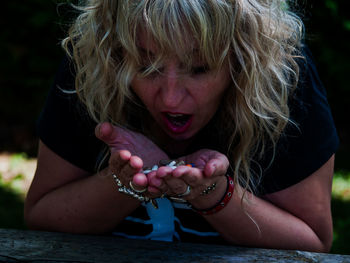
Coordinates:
(187,192)
(177,199)
(135,190)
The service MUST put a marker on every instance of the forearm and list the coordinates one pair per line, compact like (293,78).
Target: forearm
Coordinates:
(89,205)
(259,223)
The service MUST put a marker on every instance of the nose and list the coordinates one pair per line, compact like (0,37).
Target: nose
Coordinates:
(172,88)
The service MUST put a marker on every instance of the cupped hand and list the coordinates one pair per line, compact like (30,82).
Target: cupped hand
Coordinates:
(127,168)
(210,169)
(120,141)
(213,163)
(118,138)
(175,182)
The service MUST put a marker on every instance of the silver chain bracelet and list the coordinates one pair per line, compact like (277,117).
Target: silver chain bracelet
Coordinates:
(128,191)
(123,189)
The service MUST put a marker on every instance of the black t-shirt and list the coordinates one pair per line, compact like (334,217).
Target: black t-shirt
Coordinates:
(65,127)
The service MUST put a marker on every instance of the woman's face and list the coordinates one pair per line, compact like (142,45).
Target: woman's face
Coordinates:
(180,102)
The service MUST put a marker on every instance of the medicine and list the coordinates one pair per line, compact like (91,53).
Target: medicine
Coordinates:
(171,164)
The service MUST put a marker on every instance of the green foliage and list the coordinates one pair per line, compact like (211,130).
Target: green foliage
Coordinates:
(341,186)
(341,212)
(341,224)
(332,6)
(11,204)
(17,158)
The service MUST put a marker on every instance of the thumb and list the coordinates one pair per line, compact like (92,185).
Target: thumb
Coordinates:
(106,133)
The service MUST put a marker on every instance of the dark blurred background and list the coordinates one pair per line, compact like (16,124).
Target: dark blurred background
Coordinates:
(30,53)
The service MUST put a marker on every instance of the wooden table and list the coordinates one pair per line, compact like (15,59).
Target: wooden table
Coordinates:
(36,246)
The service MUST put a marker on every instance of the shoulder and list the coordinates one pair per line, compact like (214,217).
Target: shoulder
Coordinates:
(308,141)
(64,125)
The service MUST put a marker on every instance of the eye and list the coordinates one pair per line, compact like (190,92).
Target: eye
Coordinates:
(199,70)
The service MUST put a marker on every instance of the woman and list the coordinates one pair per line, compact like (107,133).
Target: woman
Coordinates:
(224,86)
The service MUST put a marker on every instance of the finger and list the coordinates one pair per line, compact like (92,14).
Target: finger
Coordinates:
(198,182)
(157,182)
(111,135)
(164,172)
(104,132)
(119,159)
(133,166)
(181,170)
(124,155)
(182,177)
(129,169)
(153,192)
(210,168)
(140,181)
(176,186)
(136,162)
(191,176)
(154,180)
(216,166)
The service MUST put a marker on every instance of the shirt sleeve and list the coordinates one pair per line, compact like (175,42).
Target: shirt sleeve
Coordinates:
(64,125)
(306,145)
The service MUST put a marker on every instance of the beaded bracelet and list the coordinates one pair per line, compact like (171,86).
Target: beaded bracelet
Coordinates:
(222,203)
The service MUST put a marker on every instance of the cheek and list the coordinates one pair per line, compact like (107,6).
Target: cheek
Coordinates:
(143,90)
(220,87)
(212,95)
(211,99)
(210,106)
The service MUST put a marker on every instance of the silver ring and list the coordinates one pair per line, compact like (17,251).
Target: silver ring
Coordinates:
(177,199)
(187,192)
(135,190)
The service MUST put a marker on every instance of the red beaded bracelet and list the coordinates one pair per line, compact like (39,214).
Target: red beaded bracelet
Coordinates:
(222,203)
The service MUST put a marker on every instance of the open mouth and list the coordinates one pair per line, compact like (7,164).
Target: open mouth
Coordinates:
(177,122)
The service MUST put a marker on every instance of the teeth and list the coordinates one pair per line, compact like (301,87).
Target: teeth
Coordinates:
(175,115)
(177,119)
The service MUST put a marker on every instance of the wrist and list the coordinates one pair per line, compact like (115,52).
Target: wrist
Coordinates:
(222,203)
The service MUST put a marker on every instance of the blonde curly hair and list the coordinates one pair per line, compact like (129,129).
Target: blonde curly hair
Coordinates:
(260,39)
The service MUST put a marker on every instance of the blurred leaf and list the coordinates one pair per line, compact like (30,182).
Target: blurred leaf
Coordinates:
(347,24)
(341,187)
(332,5)
(341,223)
(41,19)
(11,209)
(17,159)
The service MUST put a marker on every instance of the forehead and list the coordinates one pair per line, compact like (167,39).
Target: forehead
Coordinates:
(146,42)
